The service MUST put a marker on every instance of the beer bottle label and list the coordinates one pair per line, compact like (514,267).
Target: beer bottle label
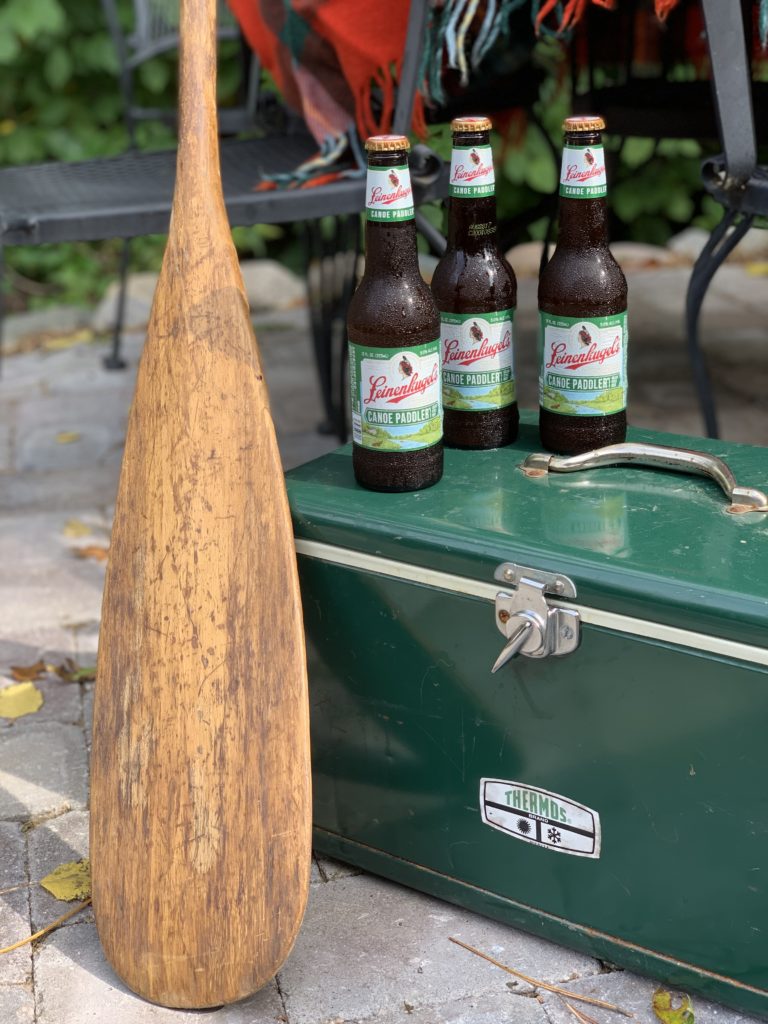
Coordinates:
(395,393)
(478,360)
(583,364)
(388,193)
(582,174)
(471,172)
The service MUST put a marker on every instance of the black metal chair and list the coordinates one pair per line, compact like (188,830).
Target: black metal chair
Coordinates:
(130,195)
(734,177)
(634,105)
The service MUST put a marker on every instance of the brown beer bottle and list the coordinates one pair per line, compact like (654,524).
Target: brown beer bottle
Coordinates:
(583,309)
(394,338)
(476,293)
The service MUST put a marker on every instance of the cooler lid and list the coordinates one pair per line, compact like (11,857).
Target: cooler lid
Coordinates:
(649,543)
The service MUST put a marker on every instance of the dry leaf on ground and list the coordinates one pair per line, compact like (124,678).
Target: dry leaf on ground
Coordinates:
(95,551)
(61,341)
(71,672)
(68,436)
(20,699)
(669,1014)
(76,528)
(22,673)
(70,881)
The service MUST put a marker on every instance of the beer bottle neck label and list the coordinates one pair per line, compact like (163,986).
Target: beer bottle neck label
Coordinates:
(583,364)
(388,193)
(582,174)
(471,172)
(478,360)
(395,394)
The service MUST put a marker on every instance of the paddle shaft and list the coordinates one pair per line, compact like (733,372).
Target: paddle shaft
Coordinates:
(200,780)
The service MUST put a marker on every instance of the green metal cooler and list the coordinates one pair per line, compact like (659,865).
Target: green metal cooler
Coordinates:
(607,786)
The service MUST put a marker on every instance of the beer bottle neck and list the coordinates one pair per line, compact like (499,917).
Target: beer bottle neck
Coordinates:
(583,223)
(583,219)
(390,249)
(472,224)
(472,202)
(390,230)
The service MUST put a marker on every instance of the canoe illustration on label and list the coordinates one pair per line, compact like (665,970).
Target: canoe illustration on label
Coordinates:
(540,817)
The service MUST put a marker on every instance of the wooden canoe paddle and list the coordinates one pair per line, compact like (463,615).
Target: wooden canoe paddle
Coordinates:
(200,793)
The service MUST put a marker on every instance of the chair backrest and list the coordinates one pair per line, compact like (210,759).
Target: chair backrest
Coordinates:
(728,27)
(155,31)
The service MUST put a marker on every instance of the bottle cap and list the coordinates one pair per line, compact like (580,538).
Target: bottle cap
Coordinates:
(471,124)
(584,123)
(386,143)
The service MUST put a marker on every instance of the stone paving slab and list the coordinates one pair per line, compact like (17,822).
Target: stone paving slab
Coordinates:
(16,966)
(368,945)
(49,582)
(479,1009)
(17,1004)
(43,771)
(634,994)
(76,985)
(51,844)
(5,447)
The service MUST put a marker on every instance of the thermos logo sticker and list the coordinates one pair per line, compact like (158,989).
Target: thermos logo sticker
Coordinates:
(540,817)
(471,171)
(582,174)
(389,195)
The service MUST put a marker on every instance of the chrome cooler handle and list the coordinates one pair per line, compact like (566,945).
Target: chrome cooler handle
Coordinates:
(684,460)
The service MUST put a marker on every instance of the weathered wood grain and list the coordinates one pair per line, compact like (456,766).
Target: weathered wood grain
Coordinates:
(200,795)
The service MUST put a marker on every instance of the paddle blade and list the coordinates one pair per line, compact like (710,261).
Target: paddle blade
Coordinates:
(201,815)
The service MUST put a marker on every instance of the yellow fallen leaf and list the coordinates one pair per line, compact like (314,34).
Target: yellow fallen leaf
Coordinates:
(68,436)
(68,340)
(96,551)
(20,699)
(23,672)
(76,528)
(759,268)
(70,881)
(669,1014)
(71,672)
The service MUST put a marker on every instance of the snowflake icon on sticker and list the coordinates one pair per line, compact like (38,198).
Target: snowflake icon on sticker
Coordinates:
(554,836)
(523,826)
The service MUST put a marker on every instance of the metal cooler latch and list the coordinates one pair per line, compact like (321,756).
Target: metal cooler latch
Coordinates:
(531,625)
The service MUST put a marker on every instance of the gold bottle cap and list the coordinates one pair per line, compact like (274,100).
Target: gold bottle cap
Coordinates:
(386,143)
(584,123)
(471,124)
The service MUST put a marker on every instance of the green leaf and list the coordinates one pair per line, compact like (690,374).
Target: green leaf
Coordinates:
(57,67)
(97,53)
(669,1014)
(628,200)
(155,75)
(32,18)
(679,206)
(635,152)
(9,45)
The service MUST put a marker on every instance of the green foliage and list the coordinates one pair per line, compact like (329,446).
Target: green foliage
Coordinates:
(654,186)
(60,100)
